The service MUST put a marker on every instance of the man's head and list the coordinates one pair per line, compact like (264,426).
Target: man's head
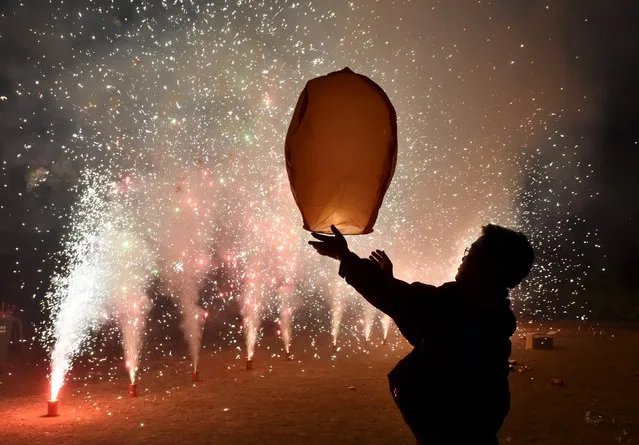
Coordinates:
(500,257)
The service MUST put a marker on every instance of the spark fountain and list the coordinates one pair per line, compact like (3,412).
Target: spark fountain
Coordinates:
(132,321)
(193,318)
(368,319)
(130,275)
(251,309)
(338,306)
(80,297)
(386,323)
(288,303)
(186,225)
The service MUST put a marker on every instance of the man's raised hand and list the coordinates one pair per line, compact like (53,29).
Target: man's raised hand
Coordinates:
(379,258)
(332,246)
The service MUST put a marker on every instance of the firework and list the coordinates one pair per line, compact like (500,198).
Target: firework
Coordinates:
(133,390)
(52,408)
(368,318)
(173,137)
(386,323)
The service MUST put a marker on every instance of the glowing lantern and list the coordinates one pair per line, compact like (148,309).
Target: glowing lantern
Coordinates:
(341,151)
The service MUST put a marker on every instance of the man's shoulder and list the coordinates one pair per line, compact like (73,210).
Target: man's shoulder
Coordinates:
(449,287)
(432,290)
(418,285)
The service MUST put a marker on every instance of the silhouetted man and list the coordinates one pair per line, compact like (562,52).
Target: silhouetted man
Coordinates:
(453,386)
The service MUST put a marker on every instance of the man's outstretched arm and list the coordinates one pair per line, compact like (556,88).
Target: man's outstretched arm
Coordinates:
(409,305)
(376,285)
(373,277)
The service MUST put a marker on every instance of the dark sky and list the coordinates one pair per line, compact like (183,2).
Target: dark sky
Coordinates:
(609,47)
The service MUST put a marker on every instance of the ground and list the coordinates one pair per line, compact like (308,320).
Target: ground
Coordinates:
(331,401)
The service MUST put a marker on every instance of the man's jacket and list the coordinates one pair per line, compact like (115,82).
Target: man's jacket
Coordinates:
(456,376)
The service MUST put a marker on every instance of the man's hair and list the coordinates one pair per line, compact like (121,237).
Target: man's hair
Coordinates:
(511,251)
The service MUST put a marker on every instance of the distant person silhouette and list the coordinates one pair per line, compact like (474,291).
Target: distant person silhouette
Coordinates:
(453,386)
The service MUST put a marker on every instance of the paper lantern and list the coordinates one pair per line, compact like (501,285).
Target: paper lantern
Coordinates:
(341,151)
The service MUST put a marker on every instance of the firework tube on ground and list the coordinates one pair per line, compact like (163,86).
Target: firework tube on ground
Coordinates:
(52,408)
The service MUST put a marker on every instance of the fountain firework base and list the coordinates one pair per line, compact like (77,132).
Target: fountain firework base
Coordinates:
(52,408)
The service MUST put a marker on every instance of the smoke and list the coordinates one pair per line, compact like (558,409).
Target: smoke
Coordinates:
(512,112)
(500,106)
(184,225)
(609,45)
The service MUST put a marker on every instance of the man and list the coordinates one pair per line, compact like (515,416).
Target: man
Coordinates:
(453,386)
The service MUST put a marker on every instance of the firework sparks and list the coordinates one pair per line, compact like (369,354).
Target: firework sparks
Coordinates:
(252,307)
(175,129)
(386,323)
(338,306)
(367,321)
(286,313)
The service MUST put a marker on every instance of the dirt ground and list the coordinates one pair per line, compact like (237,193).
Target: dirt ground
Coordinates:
(331,401)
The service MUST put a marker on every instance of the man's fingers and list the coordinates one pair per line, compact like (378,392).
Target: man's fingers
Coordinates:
(383,255)
(319,246)
(336,232)
(321,237)
(375,261)
(323,248)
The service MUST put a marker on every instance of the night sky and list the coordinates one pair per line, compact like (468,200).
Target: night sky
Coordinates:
(515,112)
